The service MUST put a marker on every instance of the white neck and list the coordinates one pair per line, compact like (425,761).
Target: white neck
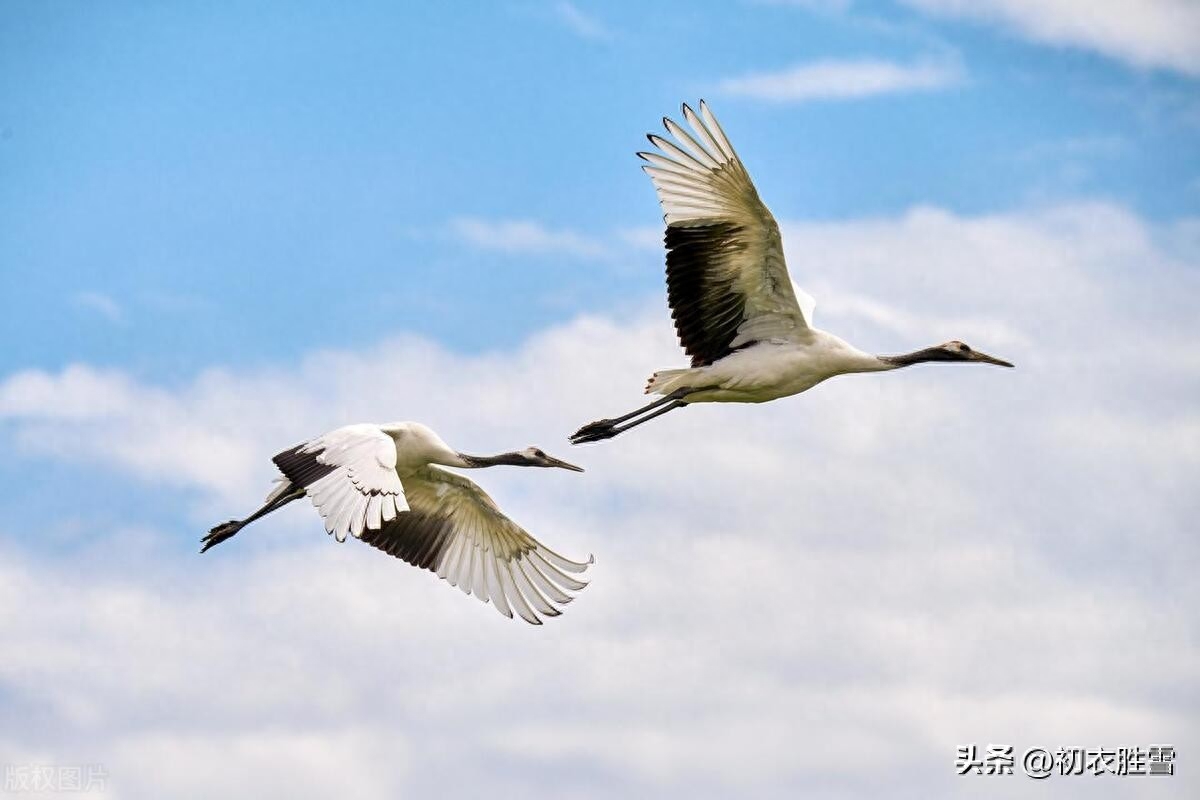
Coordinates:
(849,358)
(453,459)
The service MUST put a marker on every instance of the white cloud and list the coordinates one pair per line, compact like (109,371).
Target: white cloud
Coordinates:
(102,304)
(1147,33)
(527,236)
(581,23)
(887,566)
(844,79)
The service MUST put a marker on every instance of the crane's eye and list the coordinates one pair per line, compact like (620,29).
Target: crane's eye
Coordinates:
(964,348)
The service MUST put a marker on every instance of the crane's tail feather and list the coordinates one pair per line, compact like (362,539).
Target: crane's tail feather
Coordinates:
(666,381)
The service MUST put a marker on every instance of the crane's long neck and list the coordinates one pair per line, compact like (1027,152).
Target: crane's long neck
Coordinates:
(478,462)
(915,357)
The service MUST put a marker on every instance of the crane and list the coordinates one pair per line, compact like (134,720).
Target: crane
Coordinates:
(382,484)
(747,328)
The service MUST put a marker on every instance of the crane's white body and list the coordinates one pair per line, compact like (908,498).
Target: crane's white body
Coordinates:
(416,445)
(365,488)
(767,370)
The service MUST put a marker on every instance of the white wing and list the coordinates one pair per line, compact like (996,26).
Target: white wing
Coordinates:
(727,282)
(457,531)
(350,474)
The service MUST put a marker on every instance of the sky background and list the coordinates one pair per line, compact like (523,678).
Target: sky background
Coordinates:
(225,228)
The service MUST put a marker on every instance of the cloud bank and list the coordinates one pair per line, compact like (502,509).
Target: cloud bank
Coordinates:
(823,595)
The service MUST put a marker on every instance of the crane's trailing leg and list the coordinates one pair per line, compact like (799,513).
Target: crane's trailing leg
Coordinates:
(607,428)
(226,530)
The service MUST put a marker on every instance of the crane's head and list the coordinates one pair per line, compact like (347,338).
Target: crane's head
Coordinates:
(536,457)
(960,351)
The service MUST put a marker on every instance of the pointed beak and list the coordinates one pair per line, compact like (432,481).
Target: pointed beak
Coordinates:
(986,359)
(551,461)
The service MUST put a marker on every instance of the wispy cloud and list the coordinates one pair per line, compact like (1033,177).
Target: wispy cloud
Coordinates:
(101,304)
(844,80)
(581,23)
(1067,165)
(527,236)
(1148,33)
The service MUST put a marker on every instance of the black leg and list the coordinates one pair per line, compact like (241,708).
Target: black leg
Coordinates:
(608,428)
(648,417)
(654,404)
(227,529)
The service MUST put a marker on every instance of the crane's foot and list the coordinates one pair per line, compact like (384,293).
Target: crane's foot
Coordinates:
(596,431)
(220,533)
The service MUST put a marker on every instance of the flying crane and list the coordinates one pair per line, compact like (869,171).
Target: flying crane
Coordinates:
(748,330)
(381,484)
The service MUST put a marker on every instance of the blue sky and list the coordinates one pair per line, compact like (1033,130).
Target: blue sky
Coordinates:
(225,228)
(169,170)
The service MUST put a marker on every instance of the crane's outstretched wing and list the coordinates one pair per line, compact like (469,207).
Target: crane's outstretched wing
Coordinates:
(455,530)
(350,474)
(727,282)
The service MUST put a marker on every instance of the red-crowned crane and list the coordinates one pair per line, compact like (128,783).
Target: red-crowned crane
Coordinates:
(381,484)
(747,328)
